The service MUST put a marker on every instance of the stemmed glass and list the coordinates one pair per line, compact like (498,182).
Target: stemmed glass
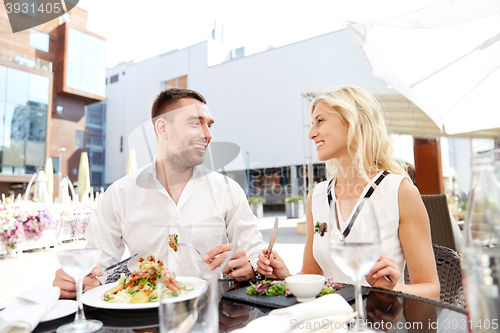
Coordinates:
(197,315)
(77,263)
(356,253)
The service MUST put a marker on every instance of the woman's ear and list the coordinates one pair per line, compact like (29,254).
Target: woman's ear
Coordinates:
(161,127)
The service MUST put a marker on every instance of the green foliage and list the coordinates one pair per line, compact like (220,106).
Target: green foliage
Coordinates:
(295,198)
(254,200)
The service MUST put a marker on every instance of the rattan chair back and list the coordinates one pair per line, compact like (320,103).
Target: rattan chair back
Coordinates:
(439,217)
(450,276)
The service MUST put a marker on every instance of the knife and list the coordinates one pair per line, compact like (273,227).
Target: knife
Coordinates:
(118,263)
(273,237)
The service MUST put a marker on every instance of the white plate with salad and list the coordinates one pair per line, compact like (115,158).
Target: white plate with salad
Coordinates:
(139,289)
(194,287)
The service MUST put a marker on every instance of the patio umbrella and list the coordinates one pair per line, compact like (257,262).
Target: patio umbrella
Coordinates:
(131,162)
(83,177)
(49,173)
(444,56)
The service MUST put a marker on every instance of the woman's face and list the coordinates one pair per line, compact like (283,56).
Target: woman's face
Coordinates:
(329,134)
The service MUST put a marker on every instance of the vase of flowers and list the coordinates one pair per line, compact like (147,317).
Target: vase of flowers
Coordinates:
(11,227)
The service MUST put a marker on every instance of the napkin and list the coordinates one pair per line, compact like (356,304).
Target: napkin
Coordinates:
(288,319)
(26,311)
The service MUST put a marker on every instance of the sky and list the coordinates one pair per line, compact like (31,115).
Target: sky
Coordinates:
(138,30)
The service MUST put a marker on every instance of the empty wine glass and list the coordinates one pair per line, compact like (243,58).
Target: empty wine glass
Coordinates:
(354,244)
(77,263)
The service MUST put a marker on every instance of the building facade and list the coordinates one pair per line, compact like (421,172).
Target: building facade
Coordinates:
(260,103)
(48,75)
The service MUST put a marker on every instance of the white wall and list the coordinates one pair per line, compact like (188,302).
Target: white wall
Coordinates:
(256,100)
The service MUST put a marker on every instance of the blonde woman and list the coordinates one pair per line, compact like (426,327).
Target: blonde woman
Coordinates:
(350,135)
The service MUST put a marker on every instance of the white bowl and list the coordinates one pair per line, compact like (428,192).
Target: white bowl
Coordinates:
(305,287)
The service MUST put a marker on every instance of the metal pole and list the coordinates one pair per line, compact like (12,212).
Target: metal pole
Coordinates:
(248,174)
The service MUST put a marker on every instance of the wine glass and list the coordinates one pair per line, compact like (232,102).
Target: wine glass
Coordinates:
(77,263)
(355,252)
(200,314)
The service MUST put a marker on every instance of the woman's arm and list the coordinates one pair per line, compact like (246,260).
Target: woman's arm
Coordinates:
(415,238)
(309,264)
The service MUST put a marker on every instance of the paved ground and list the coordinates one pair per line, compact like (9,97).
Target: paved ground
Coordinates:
(37,268)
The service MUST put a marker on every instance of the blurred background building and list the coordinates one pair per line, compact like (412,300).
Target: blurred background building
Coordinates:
(50,77)
(55,92)
(260,102)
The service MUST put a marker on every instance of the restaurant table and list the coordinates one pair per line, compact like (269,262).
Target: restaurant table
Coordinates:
(387,310)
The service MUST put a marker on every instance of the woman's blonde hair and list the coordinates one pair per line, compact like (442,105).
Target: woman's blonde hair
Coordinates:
(367,141)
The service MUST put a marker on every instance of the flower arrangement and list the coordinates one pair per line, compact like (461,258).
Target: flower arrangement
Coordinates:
(21,222)
(35,225)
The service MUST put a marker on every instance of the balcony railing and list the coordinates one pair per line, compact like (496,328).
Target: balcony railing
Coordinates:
(24,60)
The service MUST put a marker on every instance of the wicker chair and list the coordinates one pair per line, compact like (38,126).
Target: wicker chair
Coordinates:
(439,217)
(450,276)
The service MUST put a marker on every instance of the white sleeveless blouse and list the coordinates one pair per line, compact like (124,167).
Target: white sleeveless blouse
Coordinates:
(385,199)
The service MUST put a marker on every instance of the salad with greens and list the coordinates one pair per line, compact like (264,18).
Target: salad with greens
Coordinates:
(278,287)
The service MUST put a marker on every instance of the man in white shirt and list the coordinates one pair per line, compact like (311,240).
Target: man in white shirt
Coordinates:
(175,195)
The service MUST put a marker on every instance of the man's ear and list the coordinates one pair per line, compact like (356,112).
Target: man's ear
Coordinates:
(161,127)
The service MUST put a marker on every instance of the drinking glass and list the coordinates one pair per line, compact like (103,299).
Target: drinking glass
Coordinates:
(77,263)
(199,314)
(356,253)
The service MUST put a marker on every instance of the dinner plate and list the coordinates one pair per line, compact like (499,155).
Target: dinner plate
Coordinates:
(62,308)
(95,296)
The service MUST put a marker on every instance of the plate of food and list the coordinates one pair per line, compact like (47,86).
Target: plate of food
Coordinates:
(139,290)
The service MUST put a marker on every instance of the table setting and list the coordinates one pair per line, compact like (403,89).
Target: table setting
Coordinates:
(205,305)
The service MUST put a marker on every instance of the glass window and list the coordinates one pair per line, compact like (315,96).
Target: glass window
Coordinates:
(3,82)
(55,165)
(79,139)
(17,86)
(75,171)
(35,153)
(75,44)
(90,52)
(39,89)
(16,124)
(86,63)
(13,155)
(39,40)
(89,75)
(96,177)
(74,73)
(97,158)
(113,79)
(101,53)
(37,124)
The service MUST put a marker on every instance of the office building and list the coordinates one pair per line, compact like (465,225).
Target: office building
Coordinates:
(48,74)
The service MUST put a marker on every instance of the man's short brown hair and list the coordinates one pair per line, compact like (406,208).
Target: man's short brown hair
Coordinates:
(167,99)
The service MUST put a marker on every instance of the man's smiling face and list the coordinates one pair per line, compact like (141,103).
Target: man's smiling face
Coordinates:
(188,133)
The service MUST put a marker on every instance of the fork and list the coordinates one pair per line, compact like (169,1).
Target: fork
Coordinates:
(225,276)
(191,246)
